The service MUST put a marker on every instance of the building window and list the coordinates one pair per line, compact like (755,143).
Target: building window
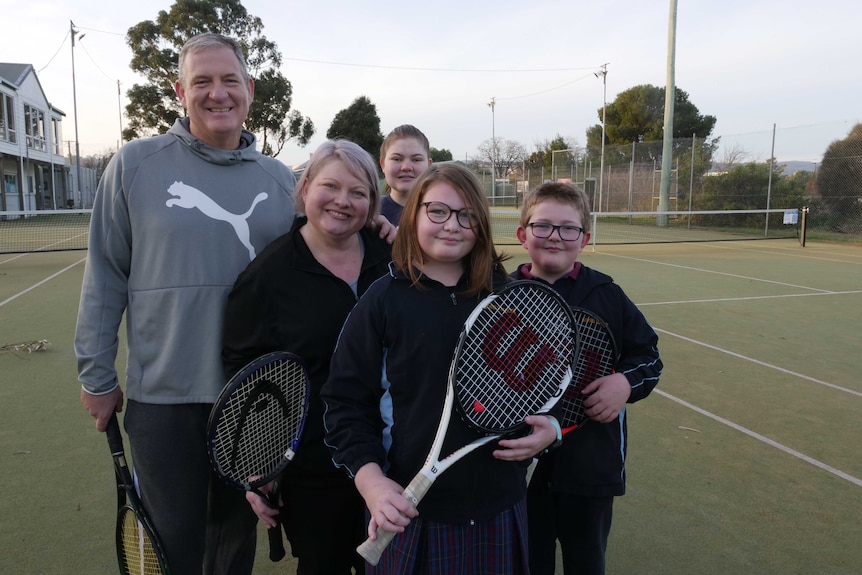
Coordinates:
(34,126)
(55,123)
(7,118)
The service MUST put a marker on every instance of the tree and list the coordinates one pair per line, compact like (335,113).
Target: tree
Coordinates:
(839,179)
(441,155)
(746,186)
(637,115)
(506,156)
(360,124)
(153,107)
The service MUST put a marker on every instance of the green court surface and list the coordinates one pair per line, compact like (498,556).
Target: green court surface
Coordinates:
(744,460)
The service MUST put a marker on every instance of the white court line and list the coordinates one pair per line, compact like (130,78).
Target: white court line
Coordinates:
(764,439)
(758,362)
(47,279)
(747,298)
(789,252)
(718,273)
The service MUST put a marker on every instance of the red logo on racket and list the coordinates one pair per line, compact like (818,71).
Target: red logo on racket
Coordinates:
(519,380)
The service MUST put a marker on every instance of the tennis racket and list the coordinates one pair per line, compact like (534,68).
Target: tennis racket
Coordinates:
(596,358)
(513,359)
(139,551)
(255,427)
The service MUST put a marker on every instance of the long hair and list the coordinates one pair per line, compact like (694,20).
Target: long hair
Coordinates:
(357,161)
(483,259)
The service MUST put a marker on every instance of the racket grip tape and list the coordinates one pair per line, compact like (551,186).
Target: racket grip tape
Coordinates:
(370,550)
(276,542)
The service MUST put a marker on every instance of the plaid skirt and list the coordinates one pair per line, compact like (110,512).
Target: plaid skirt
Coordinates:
(497,546)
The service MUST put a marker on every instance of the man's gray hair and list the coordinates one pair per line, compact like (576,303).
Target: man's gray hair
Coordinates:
(208,40)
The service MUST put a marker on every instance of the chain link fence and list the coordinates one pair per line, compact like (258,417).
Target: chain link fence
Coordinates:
(704,177)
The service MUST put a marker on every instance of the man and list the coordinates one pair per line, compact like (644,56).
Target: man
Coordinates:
(176,218)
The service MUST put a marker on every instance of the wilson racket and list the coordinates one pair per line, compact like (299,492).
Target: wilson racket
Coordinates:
(513,359)
(255,427)
(596,358)
(138,549)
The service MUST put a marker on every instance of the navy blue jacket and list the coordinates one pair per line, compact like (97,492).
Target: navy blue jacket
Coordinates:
(392,364)
(591,460)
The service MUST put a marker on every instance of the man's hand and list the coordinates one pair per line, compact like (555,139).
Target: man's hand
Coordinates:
(101,407)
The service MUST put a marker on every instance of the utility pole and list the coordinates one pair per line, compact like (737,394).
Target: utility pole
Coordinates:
(75,110)
(669,99)
(492,103)
(604,75)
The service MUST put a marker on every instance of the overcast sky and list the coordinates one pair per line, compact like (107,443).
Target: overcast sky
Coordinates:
(751,64)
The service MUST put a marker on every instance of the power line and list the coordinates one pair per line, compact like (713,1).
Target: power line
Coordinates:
(427,69)
(63,43)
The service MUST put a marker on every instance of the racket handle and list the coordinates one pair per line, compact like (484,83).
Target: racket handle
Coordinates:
(370,550)
(276,541)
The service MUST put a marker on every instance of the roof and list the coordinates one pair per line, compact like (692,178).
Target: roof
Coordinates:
(14,74)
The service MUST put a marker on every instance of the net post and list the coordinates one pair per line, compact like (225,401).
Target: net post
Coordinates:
(803,225)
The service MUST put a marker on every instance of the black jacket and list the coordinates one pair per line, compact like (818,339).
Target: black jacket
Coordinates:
(286,301)
(591,460)
(392,362)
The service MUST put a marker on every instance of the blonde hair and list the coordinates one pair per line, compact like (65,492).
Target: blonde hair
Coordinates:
(561,192)
(357,161)
(480,263)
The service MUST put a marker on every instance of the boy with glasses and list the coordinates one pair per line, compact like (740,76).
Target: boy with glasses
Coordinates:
(570,496)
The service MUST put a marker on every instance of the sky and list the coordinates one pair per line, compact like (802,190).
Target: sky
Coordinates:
(753,64)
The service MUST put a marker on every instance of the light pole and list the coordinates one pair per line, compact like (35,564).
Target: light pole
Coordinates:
(604,76)
(120,110)
(491,104)
(75,111)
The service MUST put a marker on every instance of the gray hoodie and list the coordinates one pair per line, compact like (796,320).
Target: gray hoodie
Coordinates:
(174,222)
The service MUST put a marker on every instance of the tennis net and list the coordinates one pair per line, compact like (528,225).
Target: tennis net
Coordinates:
(666,227)
(44,231)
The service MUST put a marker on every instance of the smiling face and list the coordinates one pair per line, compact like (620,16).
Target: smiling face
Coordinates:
(552,257)
(336,201)
(404,161)
(216,95)
(445,245)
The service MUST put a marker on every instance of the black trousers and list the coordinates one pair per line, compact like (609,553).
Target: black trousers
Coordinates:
(581,524)
(204,525)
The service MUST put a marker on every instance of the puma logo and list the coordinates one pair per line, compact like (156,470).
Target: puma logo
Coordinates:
(189,197)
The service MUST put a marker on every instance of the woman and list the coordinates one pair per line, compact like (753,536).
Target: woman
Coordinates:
(295,297)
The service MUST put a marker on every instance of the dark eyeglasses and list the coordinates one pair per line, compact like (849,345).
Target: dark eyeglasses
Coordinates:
(566,233)
(439,213)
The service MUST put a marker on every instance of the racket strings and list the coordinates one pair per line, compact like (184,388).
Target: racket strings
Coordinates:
(139,556)
(595,359)
(513,358)
(261,421)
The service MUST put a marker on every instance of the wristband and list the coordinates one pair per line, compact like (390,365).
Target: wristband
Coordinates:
(559,431)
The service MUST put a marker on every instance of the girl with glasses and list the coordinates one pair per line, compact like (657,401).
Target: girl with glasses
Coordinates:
(387,384)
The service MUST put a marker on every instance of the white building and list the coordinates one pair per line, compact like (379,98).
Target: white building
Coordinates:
(34,174)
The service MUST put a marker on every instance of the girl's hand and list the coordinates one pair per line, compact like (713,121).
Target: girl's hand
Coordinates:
(389,509)
(542,435)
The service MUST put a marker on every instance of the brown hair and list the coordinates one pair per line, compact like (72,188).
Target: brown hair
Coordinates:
(480,263)
(403,132)
(561,192)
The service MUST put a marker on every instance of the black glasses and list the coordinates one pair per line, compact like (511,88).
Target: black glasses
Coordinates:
(439,213)
(566,233)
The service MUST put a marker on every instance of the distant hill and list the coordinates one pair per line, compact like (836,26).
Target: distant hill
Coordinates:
(791,168)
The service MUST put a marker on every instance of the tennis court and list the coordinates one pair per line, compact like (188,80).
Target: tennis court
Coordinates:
(744,460)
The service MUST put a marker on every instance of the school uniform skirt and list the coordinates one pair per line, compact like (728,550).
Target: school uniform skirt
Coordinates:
(497,546)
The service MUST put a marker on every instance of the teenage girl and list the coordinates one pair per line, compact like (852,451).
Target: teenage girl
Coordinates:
(404,155)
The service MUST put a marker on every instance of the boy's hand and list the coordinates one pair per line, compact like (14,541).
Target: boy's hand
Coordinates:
(609,396)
